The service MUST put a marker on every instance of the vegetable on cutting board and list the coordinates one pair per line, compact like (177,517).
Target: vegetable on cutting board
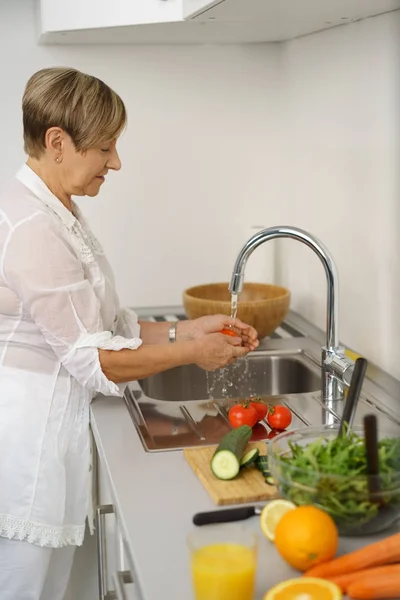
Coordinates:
(379,553)
(378,574)
(263,466)
(249,457)
(225,463)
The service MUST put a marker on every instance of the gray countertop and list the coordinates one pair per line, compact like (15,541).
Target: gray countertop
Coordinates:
(156,495)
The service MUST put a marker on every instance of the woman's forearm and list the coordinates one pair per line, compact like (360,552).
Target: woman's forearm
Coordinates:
(129,365)
(154,333)
(157,333)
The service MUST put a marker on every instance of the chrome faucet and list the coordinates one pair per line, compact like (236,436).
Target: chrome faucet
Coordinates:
(336,368)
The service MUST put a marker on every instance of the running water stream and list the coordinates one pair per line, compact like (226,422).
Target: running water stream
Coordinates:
(219,382)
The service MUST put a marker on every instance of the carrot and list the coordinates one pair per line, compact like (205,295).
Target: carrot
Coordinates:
(376,586)
(344,581)
(381,552)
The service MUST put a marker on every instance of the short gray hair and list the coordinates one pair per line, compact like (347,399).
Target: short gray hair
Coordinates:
(80,104)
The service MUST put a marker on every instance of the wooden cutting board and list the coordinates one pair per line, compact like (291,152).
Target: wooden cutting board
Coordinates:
(248,486)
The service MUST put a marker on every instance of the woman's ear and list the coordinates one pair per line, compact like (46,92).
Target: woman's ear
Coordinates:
(55,141)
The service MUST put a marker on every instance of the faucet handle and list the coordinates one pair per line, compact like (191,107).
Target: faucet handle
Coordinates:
(335,361)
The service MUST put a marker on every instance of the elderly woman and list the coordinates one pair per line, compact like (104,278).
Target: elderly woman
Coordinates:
(63,337)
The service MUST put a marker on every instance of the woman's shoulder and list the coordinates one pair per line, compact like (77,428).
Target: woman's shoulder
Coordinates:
(18,204)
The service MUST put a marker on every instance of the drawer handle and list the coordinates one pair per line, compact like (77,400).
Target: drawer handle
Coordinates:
(120,579)
(101,511)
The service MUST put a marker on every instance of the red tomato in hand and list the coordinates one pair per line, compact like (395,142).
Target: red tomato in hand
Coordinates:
(279,417)
(242,415)
(227,331)
(261,409)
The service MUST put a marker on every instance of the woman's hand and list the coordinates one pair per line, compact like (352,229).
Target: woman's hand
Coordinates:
(216,350)
(197,328)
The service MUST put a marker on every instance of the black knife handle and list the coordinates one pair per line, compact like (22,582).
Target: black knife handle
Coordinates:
(353,395)
(224,516)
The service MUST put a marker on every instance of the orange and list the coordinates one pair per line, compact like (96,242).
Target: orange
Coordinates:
(306,536)
(305,587)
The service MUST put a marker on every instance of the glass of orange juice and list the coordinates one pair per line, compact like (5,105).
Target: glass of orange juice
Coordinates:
(223,563)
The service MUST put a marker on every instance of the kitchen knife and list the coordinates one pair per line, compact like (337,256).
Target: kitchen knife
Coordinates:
(353,395)
(226,515)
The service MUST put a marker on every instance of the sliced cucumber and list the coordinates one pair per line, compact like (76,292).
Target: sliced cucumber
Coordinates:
(225,463)
(249,458)
(262,465)
(270,480)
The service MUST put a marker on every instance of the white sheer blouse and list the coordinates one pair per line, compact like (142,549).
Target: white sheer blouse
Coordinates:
(58,306)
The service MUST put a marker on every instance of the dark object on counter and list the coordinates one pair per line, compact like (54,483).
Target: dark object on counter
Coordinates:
(371,450)
(353,395)
(227,515)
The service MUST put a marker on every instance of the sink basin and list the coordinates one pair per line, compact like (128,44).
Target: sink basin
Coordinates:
(259,374)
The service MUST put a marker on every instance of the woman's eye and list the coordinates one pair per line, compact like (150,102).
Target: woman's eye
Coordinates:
(105,149)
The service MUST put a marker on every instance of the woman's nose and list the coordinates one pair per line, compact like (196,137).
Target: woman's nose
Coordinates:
(114,161)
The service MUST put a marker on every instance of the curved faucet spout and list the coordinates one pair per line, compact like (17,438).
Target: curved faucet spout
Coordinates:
(236,284)
(336,367)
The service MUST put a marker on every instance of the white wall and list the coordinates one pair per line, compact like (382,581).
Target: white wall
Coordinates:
(192,156)
(341,124)
(223,137)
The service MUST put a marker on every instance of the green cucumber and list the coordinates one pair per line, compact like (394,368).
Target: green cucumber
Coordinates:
(249,458)
(262,465)
(225,463)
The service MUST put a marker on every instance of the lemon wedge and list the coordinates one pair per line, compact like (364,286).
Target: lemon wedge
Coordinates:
(272,514)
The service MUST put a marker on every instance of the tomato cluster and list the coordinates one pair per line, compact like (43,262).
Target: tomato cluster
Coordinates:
(253,411)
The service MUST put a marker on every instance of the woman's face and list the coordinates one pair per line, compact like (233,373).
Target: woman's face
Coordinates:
(83,173)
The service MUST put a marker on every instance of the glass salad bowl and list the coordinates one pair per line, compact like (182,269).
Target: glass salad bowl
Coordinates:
(313,466)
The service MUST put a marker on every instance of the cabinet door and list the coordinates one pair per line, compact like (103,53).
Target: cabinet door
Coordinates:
(124,578)
(115,567)
(106,530)
(72,15)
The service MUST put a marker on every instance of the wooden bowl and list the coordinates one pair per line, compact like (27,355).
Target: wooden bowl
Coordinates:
(262,305)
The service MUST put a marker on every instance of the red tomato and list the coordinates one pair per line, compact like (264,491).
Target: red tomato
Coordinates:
(242,415)
(273,433)
(227,331)
(261,409)
(279,417)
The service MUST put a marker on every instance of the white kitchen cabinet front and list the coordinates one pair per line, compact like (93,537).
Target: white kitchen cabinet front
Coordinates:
(196,21)
(115,567)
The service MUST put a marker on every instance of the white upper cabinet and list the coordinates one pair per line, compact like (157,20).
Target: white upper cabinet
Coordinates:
(73,15)
(196,21)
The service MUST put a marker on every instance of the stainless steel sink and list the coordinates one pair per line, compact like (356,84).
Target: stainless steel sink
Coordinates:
(187,406)
(260,374)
